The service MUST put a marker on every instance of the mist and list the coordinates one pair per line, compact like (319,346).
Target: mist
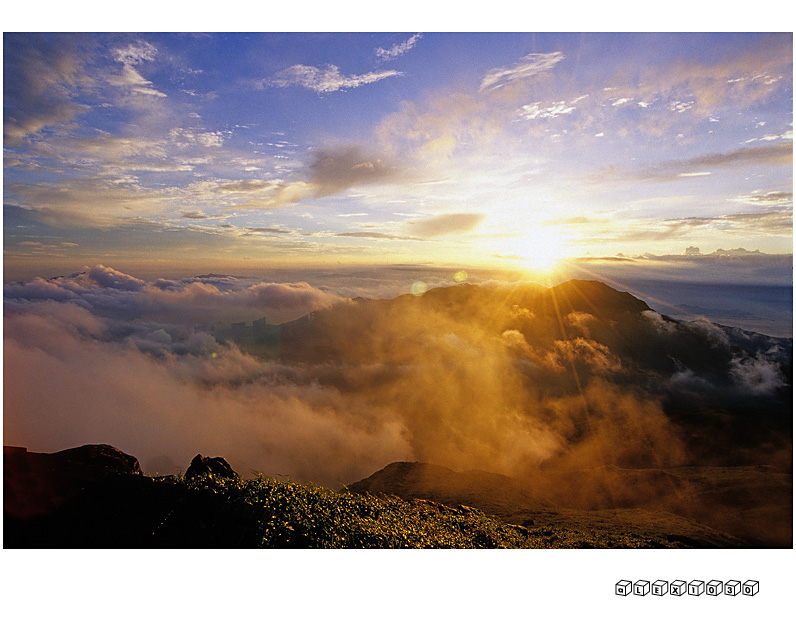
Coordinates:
(572,396)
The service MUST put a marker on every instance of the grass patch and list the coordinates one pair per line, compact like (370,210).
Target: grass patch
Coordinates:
(281,514)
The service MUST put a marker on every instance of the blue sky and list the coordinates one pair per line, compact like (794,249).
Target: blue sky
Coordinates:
(223,151)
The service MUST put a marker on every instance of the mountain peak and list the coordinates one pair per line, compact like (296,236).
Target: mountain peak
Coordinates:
(589,296)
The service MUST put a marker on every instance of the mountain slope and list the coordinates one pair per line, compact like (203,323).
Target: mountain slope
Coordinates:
(725,507)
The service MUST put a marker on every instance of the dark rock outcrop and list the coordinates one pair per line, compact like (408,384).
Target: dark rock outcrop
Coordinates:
(96,497)
(215,466)
(36,484)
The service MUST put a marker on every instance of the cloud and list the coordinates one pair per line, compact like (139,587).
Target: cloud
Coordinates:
(527,67)
(769,222)
(110,278)
(398,49)
(130,79)
(533,111)
(268,230)
(199,300)
(376,236)
(330,170)
(468,378)
(195,215)
(773,199)
(187,137)
(41,72)
(780,154)
(93,201)
(339,168)
(758,375)
(327,79)
(133,54)
(90,391)
(444,224)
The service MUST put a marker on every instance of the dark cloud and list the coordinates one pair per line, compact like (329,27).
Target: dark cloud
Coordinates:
(268,230)
(40,72)
(444,224)
(336,169)
(377,236)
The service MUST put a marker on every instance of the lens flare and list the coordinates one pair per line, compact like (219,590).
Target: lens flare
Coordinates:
(418,288)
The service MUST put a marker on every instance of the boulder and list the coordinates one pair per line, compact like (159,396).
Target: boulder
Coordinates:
(36,483)
(214,466)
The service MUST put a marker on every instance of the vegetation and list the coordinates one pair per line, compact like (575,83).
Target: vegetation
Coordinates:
(286,514)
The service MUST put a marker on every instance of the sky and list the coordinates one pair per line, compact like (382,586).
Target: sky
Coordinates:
(161,153)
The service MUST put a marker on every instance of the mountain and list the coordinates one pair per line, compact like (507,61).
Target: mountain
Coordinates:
(576,397)
(718,384)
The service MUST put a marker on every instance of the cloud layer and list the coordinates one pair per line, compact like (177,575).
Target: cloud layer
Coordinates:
(473,377)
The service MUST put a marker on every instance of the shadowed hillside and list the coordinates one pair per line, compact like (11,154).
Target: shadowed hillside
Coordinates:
(96,497)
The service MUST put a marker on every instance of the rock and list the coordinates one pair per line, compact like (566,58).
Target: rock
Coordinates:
(215,466)
(103,459)
(36,483)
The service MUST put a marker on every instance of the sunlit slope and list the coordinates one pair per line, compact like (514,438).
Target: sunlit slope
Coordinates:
(558,367)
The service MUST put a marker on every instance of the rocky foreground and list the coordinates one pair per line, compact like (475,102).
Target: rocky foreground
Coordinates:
(95,496)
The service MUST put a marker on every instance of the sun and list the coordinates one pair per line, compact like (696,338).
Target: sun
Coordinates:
(538,248)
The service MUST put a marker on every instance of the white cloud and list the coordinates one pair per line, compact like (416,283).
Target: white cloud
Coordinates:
(528,66)
(533,111)
(130,78)
(135,53)
(680,106)
(206,139)
(398,49)
(326,79)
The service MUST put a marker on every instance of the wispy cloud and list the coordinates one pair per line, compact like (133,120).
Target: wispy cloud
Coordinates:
(458,223)
(326,79)
(386,54)
(527,67)
(130,78)
(773,154)
(376,236)
(774,199)
(536,110)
